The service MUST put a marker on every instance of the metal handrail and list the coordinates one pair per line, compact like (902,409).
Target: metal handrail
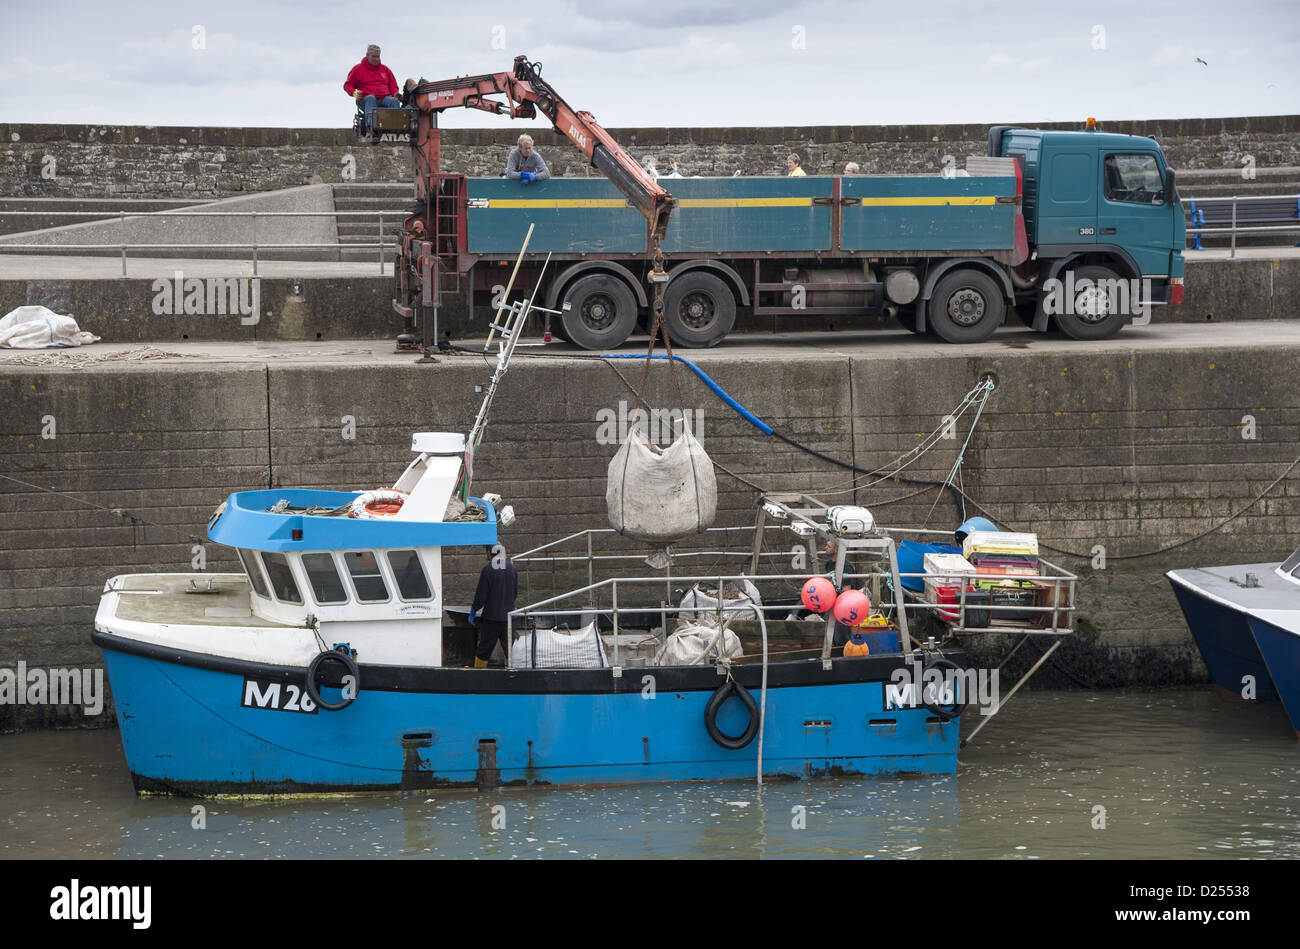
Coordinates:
(1233,229)
(900,601)
(122,246)
(590,531)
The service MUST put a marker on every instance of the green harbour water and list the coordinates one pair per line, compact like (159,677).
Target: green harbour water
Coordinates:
(1179,774)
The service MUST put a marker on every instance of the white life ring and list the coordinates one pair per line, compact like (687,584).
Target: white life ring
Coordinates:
(382,502)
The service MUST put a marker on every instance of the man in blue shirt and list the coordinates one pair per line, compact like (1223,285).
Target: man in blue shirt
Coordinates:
(498,585)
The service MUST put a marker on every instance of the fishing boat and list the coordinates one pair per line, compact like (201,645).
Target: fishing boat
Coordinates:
(1245,619)
(330,663)
(334,660)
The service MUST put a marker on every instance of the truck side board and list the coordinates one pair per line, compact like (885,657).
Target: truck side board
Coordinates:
(903,214)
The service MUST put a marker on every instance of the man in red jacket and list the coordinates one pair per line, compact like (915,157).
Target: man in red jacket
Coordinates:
(372,84)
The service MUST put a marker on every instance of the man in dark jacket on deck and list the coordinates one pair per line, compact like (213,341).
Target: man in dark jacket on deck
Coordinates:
(498,585)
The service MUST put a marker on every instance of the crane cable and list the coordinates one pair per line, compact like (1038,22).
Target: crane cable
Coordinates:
(959,494)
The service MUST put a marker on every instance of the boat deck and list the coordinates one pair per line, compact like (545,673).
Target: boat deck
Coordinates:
(1269,592)
(180,599)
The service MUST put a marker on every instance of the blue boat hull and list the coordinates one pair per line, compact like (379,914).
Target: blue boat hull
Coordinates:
(1224,637)
(1280,650)
(185,731)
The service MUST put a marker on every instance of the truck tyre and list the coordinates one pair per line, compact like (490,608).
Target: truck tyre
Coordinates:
(699,309)
(966,306)
(602,312)
(557,325)
(1093,313)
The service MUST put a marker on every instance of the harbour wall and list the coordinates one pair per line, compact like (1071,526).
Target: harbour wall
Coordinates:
(1109,451)
(358,307)
(93,161)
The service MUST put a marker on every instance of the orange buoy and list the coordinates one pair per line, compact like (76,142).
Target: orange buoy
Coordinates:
(856,646)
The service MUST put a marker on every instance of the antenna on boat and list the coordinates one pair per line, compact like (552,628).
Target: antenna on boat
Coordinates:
(511,328)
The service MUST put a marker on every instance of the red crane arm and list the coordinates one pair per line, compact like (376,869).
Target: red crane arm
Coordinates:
(524,93)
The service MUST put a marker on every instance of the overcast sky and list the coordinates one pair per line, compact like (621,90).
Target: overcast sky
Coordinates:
(660,62)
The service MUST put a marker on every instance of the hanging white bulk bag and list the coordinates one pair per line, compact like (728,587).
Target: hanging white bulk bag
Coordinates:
(660,495)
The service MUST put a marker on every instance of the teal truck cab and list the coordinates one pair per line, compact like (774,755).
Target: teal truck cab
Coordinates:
(1078,231)
(1101,208)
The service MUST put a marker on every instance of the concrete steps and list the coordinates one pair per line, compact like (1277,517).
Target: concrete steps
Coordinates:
(366,228)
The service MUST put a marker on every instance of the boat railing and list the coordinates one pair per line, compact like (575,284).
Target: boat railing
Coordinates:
(588,602)
(801,557)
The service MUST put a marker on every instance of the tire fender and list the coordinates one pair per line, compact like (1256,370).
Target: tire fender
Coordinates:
(947,713)
(350,669)
(725,691)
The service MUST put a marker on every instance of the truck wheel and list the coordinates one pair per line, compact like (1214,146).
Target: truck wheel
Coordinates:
(1093,311)
(602,313)
(966,306)
(557,328)
(699,310)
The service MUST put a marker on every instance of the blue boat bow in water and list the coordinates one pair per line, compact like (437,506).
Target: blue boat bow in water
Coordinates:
(1246,622)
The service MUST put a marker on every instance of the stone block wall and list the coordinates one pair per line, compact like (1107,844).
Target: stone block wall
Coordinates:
(137,162)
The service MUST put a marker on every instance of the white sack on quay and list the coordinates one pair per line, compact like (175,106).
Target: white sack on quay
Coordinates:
(39,327)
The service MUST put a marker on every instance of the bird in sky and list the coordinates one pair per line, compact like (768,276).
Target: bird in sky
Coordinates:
(1201,61)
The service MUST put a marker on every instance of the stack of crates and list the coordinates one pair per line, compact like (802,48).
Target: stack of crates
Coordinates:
(944,575)
(1000,553)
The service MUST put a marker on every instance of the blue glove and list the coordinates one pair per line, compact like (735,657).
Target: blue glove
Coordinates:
(473,615)
(527,177)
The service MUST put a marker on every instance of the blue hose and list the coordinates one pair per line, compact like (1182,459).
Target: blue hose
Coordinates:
(721,393)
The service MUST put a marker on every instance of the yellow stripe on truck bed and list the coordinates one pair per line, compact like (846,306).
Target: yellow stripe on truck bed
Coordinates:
(744,202)
(963,200)
(556,203)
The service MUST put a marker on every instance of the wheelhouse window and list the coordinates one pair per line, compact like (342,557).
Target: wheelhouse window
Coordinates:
(254,573)
(281,577)
(1134,179)
(412,584)
(367,580)
(326,584)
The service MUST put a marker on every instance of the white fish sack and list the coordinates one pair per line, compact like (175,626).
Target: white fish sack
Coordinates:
(689,645)
(659,495)
(737,604)
(39,327)
(560,649)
